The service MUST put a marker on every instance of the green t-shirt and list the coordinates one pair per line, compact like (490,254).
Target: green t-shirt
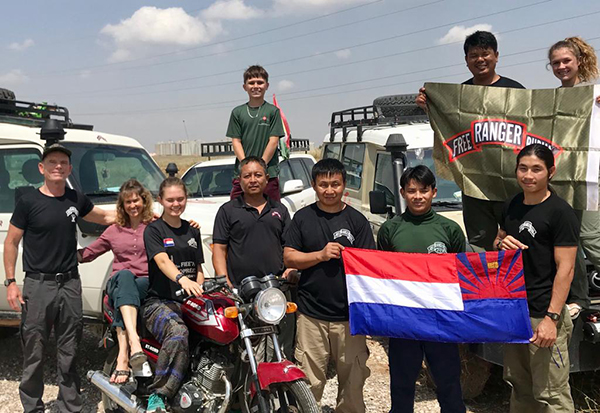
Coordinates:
(254,126)
(428,233)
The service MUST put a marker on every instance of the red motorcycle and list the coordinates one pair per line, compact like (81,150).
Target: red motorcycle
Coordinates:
(236,359)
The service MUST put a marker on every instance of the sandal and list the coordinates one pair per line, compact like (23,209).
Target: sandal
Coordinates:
(574,310)
(137,360)
(120,373)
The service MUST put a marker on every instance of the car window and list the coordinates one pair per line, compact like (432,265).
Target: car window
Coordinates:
(308,164)
(353,157)
(299,172)
(285,173)
(332,150)
(207,181)
(100,170)
(18,171)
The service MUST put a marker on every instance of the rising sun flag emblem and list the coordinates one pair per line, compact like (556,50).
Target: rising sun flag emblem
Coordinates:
(460,298)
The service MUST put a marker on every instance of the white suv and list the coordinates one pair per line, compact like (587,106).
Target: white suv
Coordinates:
(209,184)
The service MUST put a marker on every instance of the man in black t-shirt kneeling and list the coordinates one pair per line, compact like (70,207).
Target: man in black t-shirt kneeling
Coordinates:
(314,243)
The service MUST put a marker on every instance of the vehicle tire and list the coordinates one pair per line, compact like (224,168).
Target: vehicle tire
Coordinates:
(299,398)
(7,94)
(397,106)
(109,365)
(474,373)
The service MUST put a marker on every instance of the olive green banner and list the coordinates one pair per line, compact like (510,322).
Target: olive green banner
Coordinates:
(480,130)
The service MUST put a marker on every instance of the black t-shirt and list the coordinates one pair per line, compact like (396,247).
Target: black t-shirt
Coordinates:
(184,248)
(254,241)
(50,225)
(502,82)
(541,227)
(322,289)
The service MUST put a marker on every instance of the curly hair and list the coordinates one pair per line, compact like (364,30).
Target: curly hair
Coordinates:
(133,186)
(585,54)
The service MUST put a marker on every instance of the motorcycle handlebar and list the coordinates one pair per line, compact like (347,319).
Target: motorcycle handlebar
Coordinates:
(208,286)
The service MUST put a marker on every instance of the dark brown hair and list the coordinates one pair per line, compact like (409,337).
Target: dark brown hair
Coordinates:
(256,71)
(171,181)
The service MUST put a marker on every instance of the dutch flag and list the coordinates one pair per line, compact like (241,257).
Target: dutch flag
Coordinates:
(461,298)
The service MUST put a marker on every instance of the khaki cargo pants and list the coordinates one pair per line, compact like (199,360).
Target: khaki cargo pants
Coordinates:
(540,376)
(316,342)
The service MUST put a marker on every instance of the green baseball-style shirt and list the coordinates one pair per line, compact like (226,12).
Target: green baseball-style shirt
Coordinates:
(254,127)
(428,233)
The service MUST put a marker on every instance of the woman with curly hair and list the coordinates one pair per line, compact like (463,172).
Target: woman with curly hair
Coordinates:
(128,285)
(574,63)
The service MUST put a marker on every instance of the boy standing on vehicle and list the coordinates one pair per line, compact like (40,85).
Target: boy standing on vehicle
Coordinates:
(248,235)
(314,243)
(421,230)
(46,219)
(481,217)
(255,128)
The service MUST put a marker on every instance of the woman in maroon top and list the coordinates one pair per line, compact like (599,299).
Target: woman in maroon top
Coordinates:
(128,284)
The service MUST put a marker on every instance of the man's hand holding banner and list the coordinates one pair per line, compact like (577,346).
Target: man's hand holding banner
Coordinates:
(462,298)
(479,131)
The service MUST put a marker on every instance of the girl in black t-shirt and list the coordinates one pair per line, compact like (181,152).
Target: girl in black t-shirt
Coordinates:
(174,262)
(546,229)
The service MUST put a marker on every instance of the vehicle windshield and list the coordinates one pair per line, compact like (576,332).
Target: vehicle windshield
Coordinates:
(449,194)
(100,170)
(208,181)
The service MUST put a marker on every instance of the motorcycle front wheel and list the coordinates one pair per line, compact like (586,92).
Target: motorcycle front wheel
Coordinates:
(296,395)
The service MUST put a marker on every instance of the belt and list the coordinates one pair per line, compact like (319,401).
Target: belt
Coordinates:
(59,277)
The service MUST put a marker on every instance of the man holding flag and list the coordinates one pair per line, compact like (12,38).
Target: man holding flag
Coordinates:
(421,230)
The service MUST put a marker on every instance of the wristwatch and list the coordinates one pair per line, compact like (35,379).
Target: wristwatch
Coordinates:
(553,316)
(499,245)
(9,281)
(179,277)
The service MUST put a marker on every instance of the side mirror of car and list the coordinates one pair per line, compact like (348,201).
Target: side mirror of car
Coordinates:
(292,186)
(378,203)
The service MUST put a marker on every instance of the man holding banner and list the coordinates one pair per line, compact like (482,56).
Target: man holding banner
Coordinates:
(421,230)
(481,215)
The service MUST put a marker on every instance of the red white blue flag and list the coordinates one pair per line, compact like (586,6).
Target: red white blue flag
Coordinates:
(459,298)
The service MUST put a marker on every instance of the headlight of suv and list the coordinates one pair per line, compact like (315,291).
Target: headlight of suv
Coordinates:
(270,305)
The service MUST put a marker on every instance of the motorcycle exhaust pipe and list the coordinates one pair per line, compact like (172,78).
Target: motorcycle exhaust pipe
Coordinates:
(117,394)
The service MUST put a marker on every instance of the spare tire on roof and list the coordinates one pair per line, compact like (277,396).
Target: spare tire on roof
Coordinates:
(7,94)
(397,106)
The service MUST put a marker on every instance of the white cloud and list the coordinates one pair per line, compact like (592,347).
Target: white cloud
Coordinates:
(19,47)
(230,10)
(343,54)
(291,6)
(14,77)
(150,27)
(459,33)
(284,85)
(85,74)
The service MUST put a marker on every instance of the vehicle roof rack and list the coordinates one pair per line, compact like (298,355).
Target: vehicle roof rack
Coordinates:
(225,148)
(385,110)
(33,114)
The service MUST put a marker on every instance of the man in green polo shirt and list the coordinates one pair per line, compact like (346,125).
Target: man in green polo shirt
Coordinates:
(255,128)
(421,230)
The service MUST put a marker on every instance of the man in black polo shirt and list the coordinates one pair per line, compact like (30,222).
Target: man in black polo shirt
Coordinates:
(46,219)
(248,234)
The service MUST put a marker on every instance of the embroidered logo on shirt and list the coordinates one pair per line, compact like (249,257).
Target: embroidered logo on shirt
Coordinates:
(344,233)
(276,214)
(168,242)
(192,243)
(437,248)
(527,225)
(73,213)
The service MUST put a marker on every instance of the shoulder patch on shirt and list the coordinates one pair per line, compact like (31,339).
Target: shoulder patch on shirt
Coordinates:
(168,242)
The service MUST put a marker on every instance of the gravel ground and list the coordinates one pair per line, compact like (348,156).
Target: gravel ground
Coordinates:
(493,400)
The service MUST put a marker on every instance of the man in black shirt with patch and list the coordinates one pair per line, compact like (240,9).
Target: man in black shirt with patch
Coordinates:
(248,236)
(46,219)
(481,217)
(314,243)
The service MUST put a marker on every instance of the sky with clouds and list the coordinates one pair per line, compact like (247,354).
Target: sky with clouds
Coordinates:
(152,69)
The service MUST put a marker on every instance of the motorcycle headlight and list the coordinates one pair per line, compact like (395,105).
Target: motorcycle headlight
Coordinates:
(270,305)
